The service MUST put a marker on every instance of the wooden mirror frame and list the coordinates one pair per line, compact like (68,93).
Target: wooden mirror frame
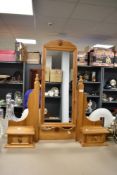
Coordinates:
(60,45)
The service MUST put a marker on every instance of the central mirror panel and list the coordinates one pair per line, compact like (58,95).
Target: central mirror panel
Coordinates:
(58,86)
(59,82)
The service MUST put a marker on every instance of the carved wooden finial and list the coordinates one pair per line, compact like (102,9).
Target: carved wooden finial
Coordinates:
(81,79)
(37,77)
(80,84)
(36,83)
(60,42)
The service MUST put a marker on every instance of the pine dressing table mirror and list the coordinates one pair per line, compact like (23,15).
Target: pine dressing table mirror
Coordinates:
(59,82)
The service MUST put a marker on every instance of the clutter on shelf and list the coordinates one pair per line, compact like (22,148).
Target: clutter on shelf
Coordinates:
(82,58)
(101,57)
(7,55)
(53,92)
(21,51)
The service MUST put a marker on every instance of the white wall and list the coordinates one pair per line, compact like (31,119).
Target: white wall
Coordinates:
(65,86)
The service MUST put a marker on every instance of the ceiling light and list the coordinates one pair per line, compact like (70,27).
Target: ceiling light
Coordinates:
(103,46)
(26,41)
(22,7)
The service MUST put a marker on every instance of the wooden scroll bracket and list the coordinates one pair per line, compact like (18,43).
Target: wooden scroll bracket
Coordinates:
(88,133)
(28,128)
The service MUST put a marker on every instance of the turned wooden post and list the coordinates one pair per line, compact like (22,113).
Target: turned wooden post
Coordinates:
(33,106)
(80,107)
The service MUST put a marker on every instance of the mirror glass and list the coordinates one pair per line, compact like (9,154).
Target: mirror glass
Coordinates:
(58,86)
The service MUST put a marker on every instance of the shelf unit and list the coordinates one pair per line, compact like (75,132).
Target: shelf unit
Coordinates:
(52,97)
(108,74)
(92,88)
(110,102)
(90,82)
(12,85)
(95,90)
(93,96)
(109,90)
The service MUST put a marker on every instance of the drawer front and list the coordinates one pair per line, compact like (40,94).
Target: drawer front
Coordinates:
(57,134)
(20,139)
(98,138)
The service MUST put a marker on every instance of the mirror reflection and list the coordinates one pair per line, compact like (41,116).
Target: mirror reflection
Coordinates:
(58,86)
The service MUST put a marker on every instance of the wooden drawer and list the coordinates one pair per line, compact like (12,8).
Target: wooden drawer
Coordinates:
(93,136)
(20,139)
(98,138)
(20,136)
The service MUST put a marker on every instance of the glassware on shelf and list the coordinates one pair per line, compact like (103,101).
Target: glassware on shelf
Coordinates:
(3,123)
(8,98)
(10,109)
(18,98)
(94,76)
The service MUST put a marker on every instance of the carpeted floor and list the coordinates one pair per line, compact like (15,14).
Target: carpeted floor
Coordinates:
(59,158)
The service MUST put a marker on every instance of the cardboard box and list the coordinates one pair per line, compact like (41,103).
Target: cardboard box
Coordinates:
(33,58)
(47,74)
(55,75)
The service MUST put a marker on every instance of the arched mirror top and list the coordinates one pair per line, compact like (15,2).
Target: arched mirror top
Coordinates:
(60,45)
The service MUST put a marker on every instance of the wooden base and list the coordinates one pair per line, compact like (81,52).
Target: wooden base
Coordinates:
(93,136)
(57,131)
(20,136)
(19,146)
